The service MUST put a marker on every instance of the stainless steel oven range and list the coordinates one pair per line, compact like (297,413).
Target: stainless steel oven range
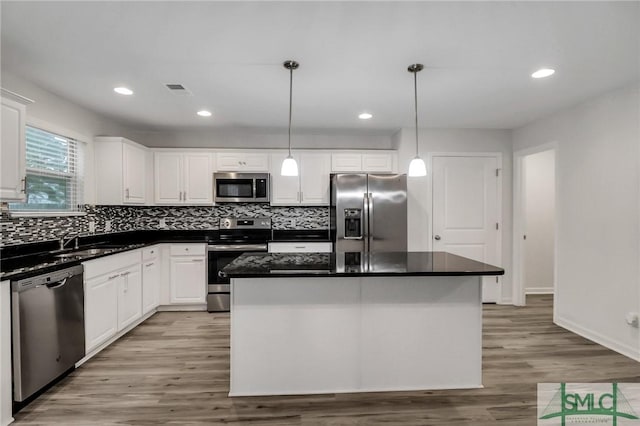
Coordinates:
(237,236)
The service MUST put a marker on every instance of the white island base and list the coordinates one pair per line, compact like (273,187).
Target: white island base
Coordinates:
(299,335)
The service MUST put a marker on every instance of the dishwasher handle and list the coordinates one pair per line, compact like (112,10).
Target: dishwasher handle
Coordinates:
(57,284)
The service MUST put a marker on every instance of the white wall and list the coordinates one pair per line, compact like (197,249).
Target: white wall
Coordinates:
(419,202)
(598,215)
(539,208)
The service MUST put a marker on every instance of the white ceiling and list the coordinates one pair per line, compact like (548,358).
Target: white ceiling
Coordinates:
(478,58)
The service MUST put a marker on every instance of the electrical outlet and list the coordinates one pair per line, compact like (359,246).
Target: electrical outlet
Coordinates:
(107,225)
(632,319)
(92,227)
(162,223)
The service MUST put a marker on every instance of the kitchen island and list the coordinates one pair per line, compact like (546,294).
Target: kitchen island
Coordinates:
(306,323)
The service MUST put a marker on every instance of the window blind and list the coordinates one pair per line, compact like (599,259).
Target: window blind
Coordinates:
(55,171)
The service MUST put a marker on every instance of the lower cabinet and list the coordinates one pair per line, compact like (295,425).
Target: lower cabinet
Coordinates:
(188,280)
(150,279)
(100,309)
(129,296)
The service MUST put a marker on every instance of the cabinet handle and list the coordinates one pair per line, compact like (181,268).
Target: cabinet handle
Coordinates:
(300,247)
(124,274)
(114,276)
(301,196)
(197,260)
(148,264)
(184,196)
(24,185)
(127,192)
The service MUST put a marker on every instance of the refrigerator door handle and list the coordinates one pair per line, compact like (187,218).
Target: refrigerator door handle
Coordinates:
(365,221)
(370,220)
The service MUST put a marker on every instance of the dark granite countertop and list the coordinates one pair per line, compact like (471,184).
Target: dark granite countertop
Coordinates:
(262,265)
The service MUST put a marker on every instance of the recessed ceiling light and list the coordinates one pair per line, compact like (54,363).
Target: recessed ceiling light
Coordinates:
(123,90)
(543,72)
(204,113)
(365,116)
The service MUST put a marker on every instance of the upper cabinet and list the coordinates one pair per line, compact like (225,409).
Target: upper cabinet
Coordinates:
(121,171)
(12,151)
(183,178)
(310,187)
(242,161)
(370,162)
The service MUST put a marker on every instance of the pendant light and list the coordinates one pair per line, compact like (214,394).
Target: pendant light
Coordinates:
(289,165)
(417,166)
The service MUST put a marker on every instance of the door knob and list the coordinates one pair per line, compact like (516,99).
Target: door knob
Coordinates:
(437,237)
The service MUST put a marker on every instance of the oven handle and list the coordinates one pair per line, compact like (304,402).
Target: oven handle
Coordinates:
(237,247)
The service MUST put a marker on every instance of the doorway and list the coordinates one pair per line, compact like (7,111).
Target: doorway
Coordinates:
(534,222)
(466,205)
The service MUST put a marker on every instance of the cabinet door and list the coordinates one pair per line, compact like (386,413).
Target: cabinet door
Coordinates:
(129,296)
(100,309)
(377,163)
(12,151)
(230,161)
(285,190)
(168,178)
(134,174)
(314,179)
(198,179)
(256,162)
(188,280)
(346,162)
(150,285)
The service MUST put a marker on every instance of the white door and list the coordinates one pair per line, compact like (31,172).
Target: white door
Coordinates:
(198,179)
(150,285)
(100,309)
(188,280)
(134,174)
(12,154)
(465,212)
(129,297)
(285,190)
(314,179)
(168,178)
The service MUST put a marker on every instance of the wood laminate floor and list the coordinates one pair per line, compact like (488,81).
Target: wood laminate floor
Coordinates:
(174,369)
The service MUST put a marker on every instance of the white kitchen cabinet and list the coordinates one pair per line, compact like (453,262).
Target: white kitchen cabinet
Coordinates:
(150,279)
(310,187)
(188,280)
(12,151)
(129,296)
(100,309)
(242,161)
(300,247)
(6,394)
(121,171)
(183,178)
(112,296)
(367,162)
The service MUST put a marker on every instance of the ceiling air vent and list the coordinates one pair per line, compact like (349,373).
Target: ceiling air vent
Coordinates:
(178,89)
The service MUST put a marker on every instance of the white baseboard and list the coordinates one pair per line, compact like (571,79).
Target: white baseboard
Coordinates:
(538,290)
(624,349)
(181,308)
(505,301)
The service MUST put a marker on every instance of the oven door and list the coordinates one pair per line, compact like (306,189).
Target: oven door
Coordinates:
(219,287)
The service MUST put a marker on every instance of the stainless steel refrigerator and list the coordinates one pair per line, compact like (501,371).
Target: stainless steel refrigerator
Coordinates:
(369,212)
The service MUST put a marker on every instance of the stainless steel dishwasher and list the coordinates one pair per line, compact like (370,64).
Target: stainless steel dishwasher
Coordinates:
(48,328)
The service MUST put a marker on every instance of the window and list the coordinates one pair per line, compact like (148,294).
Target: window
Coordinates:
(54,181)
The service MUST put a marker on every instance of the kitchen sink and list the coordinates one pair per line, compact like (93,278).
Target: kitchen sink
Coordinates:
(82,253)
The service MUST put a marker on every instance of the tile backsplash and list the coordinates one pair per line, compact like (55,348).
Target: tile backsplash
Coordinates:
(19,230)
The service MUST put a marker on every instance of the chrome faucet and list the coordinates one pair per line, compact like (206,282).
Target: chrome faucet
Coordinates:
(64,242)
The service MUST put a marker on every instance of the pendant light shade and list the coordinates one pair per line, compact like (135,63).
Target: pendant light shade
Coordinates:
(416,167)
(289,165)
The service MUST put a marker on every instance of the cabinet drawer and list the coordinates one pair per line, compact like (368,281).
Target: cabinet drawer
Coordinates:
(104,265)
(188,250)
(300,247)
(150,252)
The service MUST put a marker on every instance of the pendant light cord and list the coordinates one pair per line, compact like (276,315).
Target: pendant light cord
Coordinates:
(415,94)
(290,104)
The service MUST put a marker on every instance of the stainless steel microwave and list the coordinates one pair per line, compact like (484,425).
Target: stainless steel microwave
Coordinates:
(241,187)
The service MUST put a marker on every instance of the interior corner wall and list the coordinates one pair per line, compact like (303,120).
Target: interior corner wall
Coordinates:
(598,211)
(433,141)
(539,200)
